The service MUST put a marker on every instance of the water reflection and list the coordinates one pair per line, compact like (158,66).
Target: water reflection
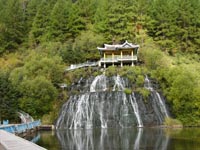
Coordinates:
(33,137)
(137,141)
(113,139)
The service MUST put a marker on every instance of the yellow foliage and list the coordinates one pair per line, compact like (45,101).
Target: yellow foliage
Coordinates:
(9,61)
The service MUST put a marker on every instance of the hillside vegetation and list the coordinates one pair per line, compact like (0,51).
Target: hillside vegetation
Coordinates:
(39,38)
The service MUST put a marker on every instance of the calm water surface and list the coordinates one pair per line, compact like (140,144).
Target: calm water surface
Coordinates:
(120,139)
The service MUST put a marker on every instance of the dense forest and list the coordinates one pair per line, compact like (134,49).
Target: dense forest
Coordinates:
(39,38)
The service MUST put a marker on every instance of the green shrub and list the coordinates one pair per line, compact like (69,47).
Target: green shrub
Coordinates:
(127,91)
(145,93)
(140,80)
(111,71)
(170,122)
(123,71)
(96,73)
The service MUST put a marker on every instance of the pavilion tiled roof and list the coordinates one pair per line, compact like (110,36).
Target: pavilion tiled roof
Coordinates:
(125,45)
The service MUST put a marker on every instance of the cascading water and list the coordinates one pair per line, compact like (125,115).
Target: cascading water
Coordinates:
(162,105)
(158,100)
(136,110)
(98,84)
(147,84)
(103,103)
(119,83)
(25,117)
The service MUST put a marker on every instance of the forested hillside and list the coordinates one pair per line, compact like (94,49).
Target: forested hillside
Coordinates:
(39,38)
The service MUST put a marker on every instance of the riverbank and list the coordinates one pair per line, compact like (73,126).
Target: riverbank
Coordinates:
(46,127)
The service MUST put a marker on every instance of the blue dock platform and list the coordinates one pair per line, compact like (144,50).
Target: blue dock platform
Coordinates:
(20,128)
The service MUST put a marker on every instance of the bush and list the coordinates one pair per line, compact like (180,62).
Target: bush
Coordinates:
(145,93)
(111,71)
(127,91)
(170,122)
(140,81)
(154,59)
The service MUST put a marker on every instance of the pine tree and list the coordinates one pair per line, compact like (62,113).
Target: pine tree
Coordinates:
(41,23)
(120,23)
(32,8)
(76,23)
(188,23)
(101,18)
(12,26)
(87,9)
(59,28)
(174,25)
(162,24)
(8,98)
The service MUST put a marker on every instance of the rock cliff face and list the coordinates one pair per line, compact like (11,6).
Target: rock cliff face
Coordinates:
(103,102)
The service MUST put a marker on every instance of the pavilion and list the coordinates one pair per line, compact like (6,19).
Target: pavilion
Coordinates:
(119,54)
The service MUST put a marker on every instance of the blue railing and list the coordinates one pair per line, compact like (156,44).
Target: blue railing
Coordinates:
(8,128)
(20,128)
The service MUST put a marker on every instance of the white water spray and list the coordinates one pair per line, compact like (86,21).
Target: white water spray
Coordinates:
(99,83)
(136,110)
(161,104)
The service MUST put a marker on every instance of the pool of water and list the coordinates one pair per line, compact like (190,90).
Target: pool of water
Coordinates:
(120,139)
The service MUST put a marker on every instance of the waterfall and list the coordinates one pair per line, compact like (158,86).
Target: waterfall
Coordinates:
(119,83)
(103,103)
(159,100)
(82,114)
(162,105)
(99,83)
(25,117)
(147,84)
(77,113)
(136,110)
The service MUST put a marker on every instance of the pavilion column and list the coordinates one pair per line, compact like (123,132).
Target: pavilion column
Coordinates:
(132,58)
(121,59)
(104,58)
(112,58)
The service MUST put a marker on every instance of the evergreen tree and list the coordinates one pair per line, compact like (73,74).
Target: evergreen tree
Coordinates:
(195,29)
(174,25)
(101,18)
(120,23)
(140,20)
(87,9)
(162,25)
(31,11)
(41,23)
(59,28)
(8,99)
(76,23)
(187,22)
(12,26)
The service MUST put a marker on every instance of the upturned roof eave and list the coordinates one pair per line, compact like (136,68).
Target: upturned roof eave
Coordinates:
(117,48)
(105,49)
(126,45)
